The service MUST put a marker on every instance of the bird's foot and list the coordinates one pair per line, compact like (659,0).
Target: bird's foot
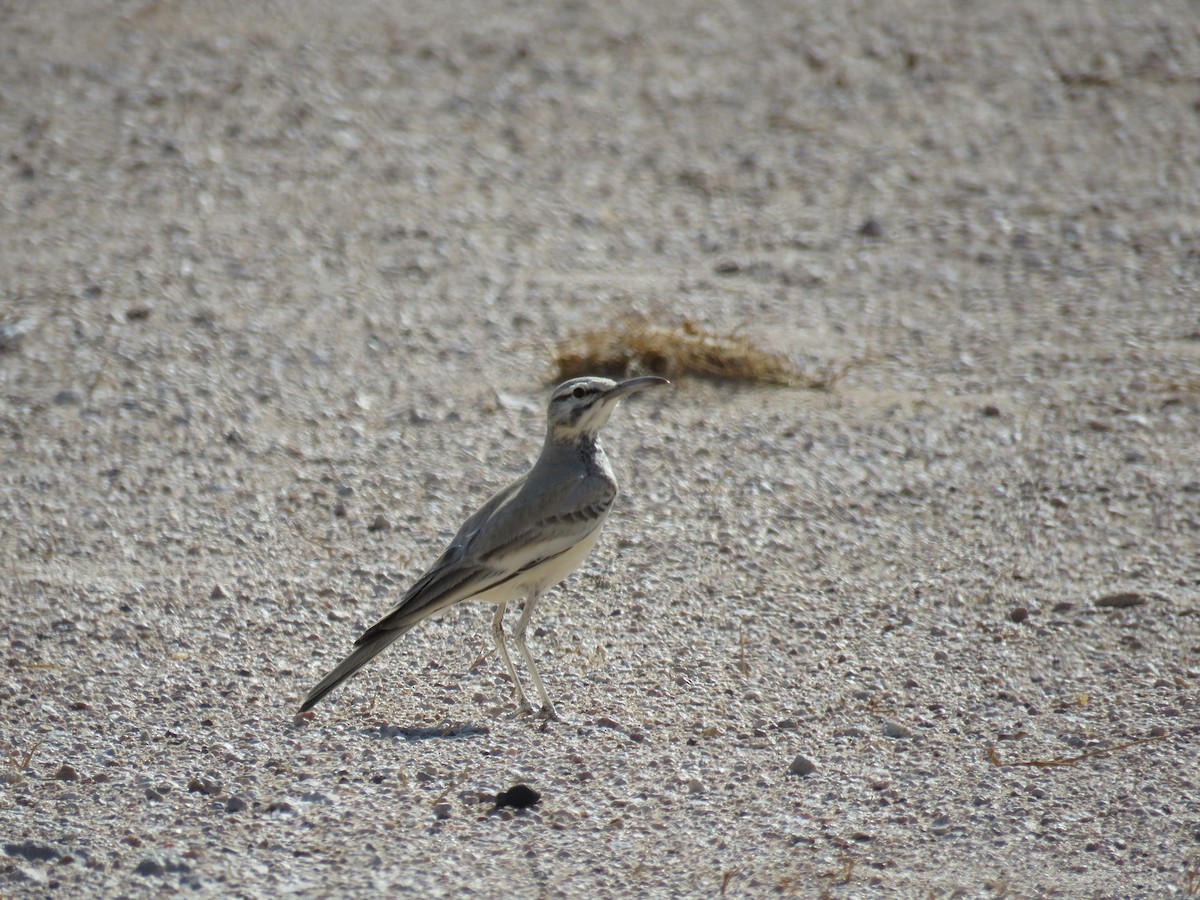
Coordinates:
(523,709)
(549,714)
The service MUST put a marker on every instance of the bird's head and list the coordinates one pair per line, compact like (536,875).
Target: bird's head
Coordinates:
(581,406)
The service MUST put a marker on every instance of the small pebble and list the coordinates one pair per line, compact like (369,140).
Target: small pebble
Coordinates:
(871,228)
(895,730)
(1121,600)
(218,593)
(1019,614)
(518,796)
(941,825)
(235,804)
(441,811)
(150,866)
(66,773)
(802,765)
(380,524)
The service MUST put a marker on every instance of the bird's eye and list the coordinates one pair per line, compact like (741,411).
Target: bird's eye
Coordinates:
(579,393)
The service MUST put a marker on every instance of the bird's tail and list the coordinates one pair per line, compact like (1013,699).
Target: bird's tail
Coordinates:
(362,655)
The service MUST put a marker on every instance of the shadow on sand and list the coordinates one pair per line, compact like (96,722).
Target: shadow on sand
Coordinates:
(447,731)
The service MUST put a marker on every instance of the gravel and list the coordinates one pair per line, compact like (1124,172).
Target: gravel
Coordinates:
(278,292)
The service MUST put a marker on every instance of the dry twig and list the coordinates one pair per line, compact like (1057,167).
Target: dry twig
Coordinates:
(994,757)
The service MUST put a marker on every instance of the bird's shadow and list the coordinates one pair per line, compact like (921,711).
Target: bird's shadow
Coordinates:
(425,733)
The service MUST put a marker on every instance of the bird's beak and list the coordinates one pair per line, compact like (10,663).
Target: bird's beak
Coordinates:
(633,385)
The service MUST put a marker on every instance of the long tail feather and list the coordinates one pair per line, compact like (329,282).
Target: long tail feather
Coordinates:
(362,655)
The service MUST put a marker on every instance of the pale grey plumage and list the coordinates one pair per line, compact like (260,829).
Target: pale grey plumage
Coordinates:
(522,541)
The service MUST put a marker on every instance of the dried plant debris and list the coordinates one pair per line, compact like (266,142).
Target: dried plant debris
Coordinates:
(994,757)
(634,344)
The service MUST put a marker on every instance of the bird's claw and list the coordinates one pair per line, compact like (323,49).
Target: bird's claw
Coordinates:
(523,709)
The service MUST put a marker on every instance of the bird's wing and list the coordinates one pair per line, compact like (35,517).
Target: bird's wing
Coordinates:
(516,530)
(513,532)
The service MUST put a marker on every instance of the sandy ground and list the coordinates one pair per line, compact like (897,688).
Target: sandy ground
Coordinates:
(269,272)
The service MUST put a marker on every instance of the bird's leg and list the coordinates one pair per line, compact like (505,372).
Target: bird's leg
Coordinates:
(498,634)
(547,710)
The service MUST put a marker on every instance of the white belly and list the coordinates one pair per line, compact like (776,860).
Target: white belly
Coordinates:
(548,574)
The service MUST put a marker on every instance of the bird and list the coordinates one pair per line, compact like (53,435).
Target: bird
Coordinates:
(523,541)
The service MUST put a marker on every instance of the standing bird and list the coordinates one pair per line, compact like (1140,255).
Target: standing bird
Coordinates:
(527,538)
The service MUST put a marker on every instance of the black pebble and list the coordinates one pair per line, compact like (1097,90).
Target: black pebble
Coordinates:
(871,228)
(518,797)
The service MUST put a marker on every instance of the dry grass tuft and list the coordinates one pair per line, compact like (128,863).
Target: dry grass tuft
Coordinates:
(634,344)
